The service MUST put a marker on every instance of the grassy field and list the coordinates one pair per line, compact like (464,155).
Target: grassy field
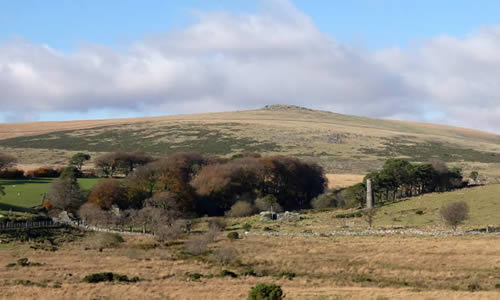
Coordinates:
(341,144)
(483,202)
(388,267)
(25,193)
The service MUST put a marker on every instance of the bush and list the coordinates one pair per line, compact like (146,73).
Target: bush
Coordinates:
(264,204)
(226,256)
(172,231)
(455,213)
(349,215)
(102,240)
(217,224)
(286,274)
(226,273)
(263,291)
(108,277)
(233,235)
(241,209)
(196,246)
(246,227)
(324,201)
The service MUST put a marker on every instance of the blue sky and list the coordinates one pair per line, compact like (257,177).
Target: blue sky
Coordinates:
(414,60)
(372,23)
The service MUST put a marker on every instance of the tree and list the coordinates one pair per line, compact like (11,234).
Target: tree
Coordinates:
(71,173)
(6,161)
(271,201)
(92,213)
(65,194)
(127,162)
(474,175)
(79,159)
(109,192)
(455,213)
(107,164)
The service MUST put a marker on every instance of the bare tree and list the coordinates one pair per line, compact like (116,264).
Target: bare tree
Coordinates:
(455,213)
(369,215)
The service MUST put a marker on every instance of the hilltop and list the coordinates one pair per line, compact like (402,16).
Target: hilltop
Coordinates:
(340,143)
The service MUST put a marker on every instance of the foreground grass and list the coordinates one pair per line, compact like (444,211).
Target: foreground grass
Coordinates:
(25,193)
(325,268)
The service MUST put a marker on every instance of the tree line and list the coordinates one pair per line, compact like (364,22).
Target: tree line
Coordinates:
(400,178)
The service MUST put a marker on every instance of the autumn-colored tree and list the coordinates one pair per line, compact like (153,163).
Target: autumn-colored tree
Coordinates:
(221,185)
(109,192)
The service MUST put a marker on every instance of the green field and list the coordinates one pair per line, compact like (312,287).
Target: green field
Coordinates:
(21,194)
(484,205)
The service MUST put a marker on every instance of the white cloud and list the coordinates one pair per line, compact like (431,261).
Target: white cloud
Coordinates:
(229,61)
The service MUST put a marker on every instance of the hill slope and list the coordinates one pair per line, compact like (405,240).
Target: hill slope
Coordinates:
(341,143)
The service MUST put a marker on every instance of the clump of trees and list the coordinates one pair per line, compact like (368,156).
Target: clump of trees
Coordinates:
(121,163)
(291,182)
(399,178)
(159,195)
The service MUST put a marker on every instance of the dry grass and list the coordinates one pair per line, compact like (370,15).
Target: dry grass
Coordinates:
(326,268)
(343,180)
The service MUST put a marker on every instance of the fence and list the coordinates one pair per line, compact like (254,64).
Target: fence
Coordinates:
(27,225)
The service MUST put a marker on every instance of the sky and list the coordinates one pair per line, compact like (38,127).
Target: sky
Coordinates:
(431,61)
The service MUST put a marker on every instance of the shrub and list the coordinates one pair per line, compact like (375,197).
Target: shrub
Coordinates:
(286,274)
(324,201)
(172,231)
(249,272)
(233,235)
(227,273)
(108,276)
(241,209)
(196,246)
(102,240)
(473,287)
(263,291)
(194,276)
(268,202)
(217,223)
(246,227)
(349,215)
(226,256)
(455,213)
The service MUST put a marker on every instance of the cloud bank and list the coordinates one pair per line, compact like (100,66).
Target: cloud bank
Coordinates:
(226,62)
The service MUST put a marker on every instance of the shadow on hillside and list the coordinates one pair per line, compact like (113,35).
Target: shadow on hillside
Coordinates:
(7,207)
(7,182)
